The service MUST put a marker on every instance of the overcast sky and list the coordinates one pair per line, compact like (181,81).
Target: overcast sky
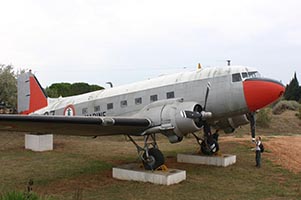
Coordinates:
(96,41)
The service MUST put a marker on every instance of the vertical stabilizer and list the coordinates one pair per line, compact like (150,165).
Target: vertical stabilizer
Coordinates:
(31,96)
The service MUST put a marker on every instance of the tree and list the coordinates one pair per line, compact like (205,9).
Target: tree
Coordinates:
(292,91)
(59,89)
(67,89)
(8,86)
(299,94)
(79,88)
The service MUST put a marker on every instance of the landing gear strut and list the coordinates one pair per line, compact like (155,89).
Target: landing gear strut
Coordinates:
(209,144)
(152,158)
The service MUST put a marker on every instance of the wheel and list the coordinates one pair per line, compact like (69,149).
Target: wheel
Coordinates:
(208,149)
(155,159)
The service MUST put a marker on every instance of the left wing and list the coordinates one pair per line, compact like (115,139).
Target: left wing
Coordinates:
(76,125)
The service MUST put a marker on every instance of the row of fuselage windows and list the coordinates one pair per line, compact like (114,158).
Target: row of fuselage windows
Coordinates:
(124,103)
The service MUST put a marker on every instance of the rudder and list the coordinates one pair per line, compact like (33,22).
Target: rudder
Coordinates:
(31,95)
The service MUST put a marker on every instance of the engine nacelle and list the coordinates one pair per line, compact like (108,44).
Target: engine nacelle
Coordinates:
(230,124)
(167,116)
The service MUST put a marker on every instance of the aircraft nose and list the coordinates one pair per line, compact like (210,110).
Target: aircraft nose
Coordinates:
(260,92)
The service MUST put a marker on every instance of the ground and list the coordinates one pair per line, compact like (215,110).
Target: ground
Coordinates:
(80,168)
(286,151)
(282,150)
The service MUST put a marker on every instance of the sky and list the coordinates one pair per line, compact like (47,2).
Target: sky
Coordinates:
(97,41)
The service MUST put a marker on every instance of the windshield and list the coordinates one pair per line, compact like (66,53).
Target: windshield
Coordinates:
(237,77)
(253,74)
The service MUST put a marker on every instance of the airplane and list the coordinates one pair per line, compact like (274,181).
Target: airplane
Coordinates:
(173,105)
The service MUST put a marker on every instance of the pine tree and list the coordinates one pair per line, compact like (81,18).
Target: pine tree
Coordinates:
(292,91)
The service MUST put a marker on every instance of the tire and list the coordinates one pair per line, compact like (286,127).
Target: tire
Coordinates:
(155,160)
(214,148)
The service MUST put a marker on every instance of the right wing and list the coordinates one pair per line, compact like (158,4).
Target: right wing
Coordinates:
(76,125)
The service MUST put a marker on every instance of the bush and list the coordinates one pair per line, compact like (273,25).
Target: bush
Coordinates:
(282,106)
(263,118)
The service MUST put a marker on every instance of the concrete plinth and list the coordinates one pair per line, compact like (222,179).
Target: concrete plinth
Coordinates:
(221,160)
(132,172)
(39,142)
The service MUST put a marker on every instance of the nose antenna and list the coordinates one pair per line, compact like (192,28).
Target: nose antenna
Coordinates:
(228,62)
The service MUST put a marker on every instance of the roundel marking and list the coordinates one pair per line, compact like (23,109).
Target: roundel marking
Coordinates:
(69,110)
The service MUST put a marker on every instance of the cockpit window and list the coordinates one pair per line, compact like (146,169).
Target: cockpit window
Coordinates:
(253,74)
(236,77)
(244,75)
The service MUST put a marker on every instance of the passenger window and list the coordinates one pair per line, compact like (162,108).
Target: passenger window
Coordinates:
(138,101)
(85,111)
(170,95)
(153,98)
(236,77)
(110,106)
(123,103)
(96,108)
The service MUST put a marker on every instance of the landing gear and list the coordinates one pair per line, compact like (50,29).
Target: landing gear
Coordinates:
(209,144)
(209,149)
(152,158)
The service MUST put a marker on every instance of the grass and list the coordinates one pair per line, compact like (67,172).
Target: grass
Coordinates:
(80,168)
(14,195)
(40,167)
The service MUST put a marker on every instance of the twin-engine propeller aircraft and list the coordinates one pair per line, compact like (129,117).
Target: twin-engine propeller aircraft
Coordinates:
(173,105)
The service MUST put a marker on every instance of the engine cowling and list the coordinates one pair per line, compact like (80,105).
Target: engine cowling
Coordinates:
(167,116)
(230,124)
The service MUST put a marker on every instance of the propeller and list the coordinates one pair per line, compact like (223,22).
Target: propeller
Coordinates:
(195,114)
(253,125)
(207,94)
(208,144)
(199,113)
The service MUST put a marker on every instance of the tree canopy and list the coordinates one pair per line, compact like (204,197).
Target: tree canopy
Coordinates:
(67,89)
(8,86)
(293,90)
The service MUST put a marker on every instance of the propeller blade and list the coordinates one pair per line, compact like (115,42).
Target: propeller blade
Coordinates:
(207,94)
(253,125)
(195,115)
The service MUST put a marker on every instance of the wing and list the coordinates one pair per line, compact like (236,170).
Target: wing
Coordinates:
(84,126)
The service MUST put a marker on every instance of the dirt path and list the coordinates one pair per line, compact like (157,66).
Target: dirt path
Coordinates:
(285,151)
(282,150)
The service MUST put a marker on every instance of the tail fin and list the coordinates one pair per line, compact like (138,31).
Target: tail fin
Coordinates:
(31,95)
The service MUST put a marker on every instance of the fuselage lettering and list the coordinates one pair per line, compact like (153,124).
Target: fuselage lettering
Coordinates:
(101,114)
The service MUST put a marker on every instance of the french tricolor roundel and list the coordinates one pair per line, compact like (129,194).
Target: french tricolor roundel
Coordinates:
(69,110)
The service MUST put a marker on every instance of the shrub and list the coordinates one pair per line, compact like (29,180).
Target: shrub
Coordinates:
(282,106)
(263,118)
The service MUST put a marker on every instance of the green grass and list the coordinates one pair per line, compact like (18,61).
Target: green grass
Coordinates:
(14,195)
(70,173)
(44,168)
